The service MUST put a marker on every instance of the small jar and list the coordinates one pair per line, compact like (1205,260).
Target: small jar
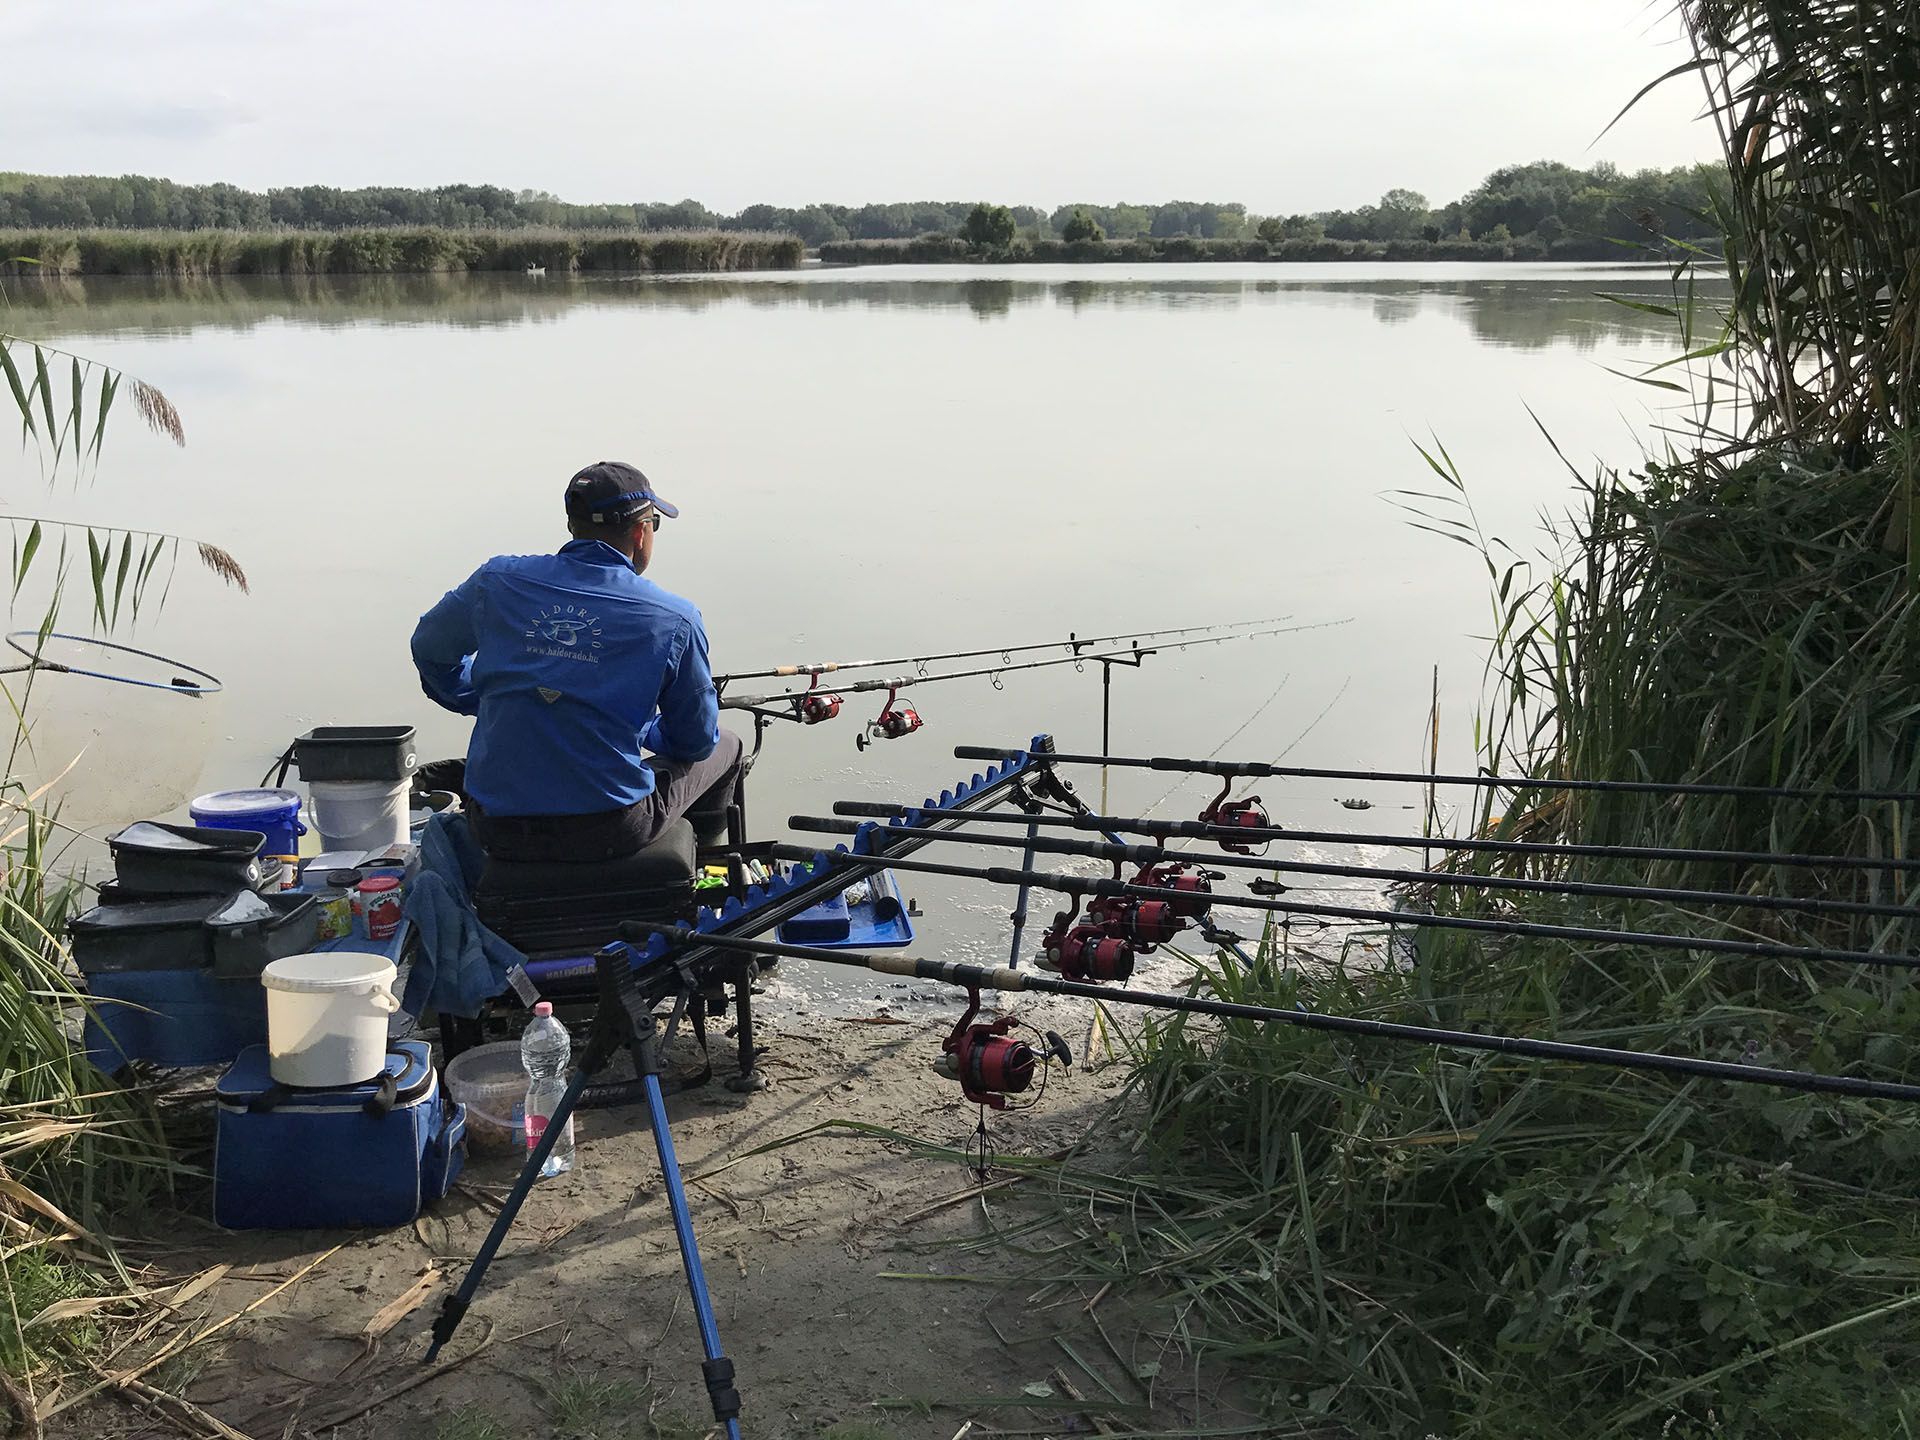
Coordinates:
(333,894)
(376,900)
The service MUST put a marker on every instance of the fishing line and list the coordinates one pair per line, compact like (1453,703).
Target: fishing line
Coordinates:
(1264,704)
(1326,710)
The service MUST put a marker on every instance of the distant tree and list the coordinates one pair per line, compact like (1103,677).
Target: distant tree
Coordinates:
(1272,229)
(1399,215)
(1082,227)
(1430,234)
(989,227)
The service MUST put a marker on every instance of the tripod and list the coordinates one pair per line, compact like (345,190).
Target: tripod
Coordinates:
(624,1020)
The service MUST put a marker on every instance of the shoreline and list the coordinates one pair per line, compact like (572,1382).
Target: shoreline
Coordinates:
(423,250)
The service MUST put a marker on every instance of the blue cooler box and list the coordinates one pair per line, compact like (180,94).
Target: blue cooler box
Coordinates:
(360,1155)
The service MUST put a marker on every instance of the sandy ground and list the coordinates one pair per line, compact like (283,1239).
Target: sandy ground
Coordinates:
(846,1292)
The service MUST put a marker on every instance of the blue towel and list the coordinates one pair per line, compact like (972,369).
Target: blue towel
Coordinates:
(459,964)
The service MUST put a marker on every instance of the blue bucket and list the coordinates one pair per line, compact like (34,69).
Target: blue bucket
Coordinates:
(275,813)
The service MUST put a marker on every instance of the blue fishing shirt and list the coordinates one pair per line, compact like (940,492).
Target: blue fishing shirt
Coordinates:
(572,665)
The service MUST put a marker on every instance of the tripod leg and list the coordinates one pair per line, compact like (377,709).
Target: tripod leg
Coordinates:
(454,1308)
(717,1369)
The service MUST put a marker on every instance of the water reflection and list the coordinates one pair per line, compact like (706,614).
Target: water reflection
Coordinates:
(1521,307)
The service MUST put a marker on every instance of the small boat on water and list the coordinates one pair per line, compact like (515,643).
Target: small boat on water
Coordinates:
(536,272)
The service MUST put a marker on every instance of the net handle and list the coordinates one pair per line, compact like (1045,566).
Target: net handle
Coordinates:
(35,661)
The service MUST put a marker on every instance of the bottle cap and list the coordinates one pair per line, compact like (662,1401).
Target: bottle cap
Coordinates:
(543,1008)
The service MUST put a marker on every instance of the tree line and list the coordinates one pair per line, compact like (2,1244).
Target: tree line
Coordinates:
(1545,200)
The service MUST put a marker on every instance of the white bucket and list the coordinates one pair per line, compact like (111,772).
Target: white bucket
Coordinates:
(365,815)
(327,1018)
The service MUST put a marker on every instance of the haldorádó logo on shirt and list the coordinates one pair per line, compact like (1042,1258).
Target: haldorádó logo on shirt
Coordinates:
(566,631)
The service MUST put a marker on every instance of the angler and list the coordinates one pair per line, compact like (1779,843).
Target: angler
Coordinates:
(597,722)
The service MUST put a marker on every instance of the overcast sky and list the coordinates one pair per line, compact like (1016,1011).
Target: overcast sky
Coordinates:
(1283,104)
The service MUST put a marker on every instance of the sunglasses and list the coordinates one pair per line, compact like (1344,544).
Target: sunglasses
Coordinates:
(652,521)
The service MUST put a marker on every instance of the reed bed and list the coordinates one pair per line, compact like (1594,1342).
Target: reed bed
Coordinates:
(1046,250)
(78,1153)
(1408,1241)
(199,253)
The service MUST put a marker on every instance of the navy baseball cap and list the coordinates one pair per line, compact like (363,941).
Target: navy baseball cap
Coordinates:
(609,491)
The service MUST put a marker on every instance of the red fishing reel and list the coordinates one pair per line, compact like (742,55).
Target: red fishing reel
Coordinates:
(1244,814)
(1085,952)
(816,705)
(1143,923)
(1194,884)
(897,718)
(988,1062)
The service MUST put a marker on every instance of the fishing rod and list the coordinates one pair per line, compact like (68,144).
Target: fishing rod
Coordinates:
(975,978)
(1084,886)
(1155,854)
(1237,769)
(1073,642)
(902,682)
(1199,830)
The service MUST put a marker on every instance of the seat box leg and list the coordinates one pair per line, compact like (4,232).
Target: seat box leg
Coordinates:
(750,1077)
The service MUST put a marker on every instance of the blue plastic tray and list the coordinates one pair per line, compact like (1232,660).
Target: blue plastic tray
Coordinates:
(878,923)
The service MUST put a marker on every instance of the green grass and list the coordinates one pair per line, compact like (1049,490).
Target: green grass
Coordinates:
(196,253)
(469,1422)
(34,1280)
(590,1407)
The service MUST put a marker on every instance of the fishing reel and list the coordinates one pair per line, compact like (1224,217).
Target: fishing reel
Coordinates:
(1085,952)
(1247,814)
(1194,884)
(1143,923)
(897,718)
(989,1063)
(816,705)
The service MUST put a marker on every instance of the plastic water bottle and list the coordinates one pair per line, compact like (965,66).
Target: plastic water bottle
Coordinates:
(544,1051)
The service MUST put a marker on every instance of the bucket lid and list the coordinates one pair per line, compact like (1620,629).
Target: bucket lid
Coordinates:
(245,802)
(321,973)
(373,884)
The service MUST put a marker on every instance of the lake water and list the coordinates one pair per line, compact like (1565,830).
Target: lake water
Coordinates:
(868,462)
